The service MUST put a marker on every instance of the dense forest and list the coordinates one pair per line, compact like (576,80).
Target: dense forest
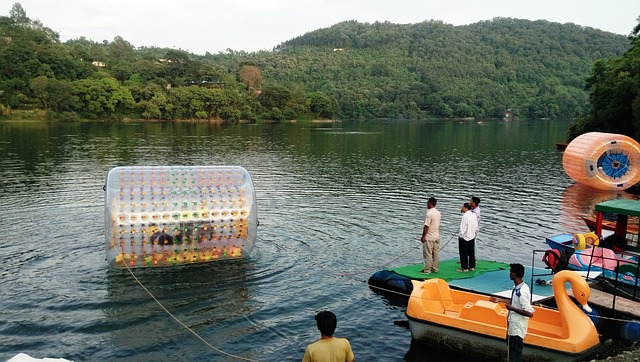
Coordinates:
(352,70)
(614,94)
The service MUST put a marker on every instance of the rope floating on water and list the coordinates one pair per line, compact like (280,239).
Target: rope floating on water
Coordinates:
(182,323)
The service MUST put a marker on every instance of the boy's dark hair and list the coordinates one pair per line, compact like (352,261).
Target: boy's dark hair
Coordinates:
(517,269)
(326,322)
(432,201)
(476,200)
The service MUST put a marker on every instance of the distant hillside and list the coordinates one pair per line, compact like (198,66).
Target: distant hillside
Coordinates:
(351,70)
(535,68)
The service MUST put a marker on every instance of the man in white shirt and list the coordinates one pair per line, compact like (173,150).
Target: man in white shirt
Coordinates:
(431,238)
(520,310)
(466,239)
(474,202)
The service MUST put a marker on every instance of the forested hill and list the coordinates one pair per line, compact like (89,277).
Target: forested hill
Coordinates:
(535,68)
(351,70)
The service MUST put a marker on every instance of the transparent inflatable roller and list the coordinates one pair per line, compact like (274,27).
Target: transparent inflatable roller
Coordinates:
(162,216)
(604,161)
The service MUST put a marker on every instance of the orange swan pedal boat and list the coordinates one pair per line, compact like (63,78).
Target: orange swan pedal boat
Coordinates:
(470,323)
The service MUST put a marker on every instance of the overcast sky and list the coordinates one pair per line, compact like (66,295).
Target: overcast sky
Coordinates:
(199,26)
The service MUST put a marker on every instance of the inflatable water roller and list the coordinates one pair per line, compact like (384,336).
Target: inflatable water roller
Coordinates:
(603,161)
(161,216)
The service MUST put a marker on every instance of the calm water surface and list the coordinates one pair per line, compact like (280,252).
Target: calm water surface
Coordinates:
(335,204)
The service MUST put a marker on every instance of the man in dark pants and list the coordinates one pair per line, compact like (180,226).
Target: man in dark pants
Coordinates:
(520,310)
(466,239)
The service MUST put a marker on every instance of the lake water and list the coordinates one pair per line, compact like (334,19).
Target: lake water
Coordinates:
(336,202)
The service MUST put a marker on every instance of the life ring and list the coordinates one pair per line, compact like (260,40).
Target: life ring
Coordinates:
(580,241)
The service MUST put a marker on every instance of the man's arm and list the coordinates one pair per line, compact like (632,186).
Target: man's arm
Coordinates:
(518,310)
(464,225)
(509,306)
(499,300)
(425,230)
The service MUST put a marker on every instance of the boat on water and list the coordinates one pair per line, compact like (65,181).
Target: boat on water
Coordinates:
(620,235)
(617,273)
(632,227)
(598,259)
(448,318)
(489,277)
(612,255)
(570,242)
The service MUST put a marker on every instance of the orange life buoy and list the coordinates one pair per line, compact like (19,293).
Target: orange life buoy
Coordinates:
(581,241)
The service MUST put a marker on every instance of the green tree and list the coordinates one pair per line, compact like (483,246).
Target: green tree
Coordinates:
(321,105)
(60,95)
(12,92)
(154,102)
(40,87)
(98,98)
(615,94)
(296,106)
(18,15)
(120,50)
(97,52)
(274,97)
(429,69)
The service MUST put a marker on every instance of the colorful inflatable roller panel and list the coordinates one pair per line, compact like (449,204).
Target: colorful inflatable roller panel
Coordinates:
(161,216)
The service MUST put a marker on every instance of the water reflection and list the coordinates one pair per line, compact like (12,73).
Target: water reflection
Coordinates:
(203,297)
(419,352)
(579,200)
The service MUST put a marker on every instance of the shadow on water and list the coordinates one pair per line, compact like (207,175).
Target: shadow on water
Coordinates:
(200,296)
(419,352)
(394,298)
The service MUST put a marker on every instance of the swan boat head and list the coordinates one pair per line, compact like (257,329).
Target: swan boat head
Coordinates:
(579,286)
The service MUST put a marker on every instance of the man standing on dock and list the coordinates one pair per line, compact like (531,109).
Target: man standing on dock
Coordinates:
(466,239)
(520,310)
(431,238)
(474,202)
(475,207)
